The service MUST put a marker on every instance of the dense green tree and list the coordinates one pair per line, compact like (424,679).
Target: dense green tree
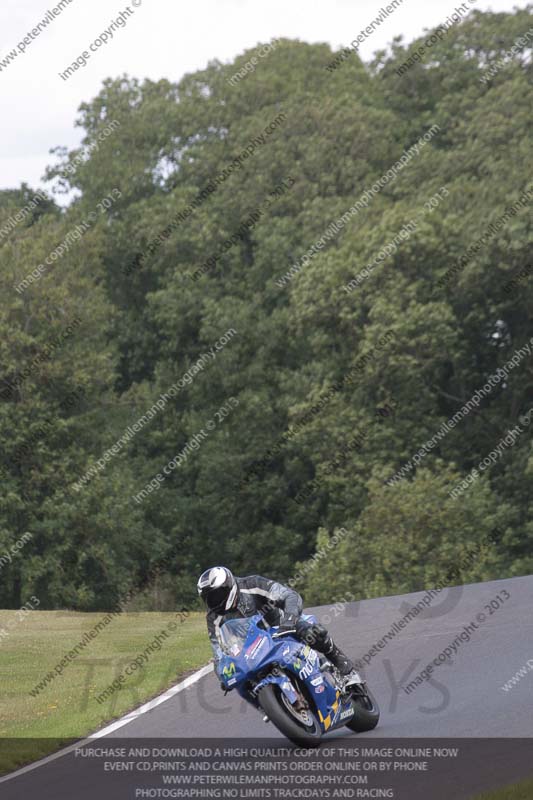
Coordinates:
(201,196)
(411,536)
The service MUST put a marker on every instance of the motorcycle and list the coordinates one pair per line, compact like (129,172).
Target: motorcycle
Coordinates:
(300,691)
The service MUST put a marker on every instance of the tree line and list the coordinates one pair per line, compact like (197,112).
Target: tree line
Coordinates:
(187,164)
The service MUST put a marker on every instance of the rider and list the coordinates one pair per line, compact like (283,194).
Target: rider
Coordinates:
(229,597)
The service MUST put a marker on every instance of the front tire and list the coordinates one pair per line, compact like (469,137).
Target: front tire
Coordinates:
(366,710)
(290,723)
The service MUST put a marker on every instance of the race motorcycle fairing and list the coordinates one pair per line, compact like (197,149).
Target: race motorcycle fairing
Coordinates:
(306,689)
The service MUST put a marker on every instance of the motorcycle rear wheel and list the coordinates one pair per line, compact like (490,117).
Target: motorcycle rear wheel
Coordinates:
(290,723)
(366,710)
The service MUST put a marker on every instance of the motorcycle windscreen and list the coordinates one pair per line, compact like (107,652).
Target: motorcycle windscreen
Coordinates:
(233,634)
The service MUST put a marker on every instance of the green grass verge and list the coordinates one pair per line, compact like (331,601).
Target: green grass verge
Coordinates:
(518,791)
(67,708)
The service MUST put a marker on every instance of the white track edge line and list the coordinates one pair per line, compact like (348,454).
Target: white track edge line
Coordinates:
(119,723)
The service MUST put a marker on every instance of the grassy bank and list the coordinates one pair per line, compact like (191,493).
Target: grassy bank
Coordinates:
(66,707)
(519,791)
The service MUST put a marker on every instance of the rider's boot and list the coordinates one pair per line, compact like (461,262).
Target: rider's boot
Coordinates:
(343,664)
(337,657)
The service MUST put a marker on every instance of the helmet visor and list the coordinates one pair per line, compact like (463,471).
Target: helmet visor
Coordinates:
(216,598)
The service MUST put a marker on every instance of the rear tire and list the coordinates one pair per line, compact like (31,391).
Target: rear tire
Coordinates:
(366,709)
(273,705)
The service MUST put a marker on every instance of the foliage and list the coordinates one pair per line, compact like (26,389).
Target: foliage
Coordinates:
(143,327)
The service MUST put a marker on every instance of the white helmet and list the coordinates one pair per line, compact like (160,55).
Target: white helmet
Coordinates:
(218,588)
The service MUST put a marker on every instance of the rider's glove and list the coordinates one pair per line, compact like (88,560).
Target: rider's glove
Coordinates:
(288,625)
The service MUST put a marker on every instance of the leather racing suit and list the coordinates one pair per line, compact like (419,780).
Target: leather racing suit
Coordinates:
(278,604)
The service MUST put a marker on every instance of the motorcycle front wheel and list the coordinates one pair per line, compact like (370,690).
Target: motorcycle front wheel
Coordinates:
(301,727)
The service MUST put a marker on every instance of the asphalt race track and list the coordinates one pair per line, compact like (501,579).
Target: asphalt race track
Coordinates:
(462,698)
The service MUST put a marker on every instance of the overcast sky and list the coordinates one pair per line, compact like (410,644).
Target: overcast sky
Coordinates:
(161,39)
